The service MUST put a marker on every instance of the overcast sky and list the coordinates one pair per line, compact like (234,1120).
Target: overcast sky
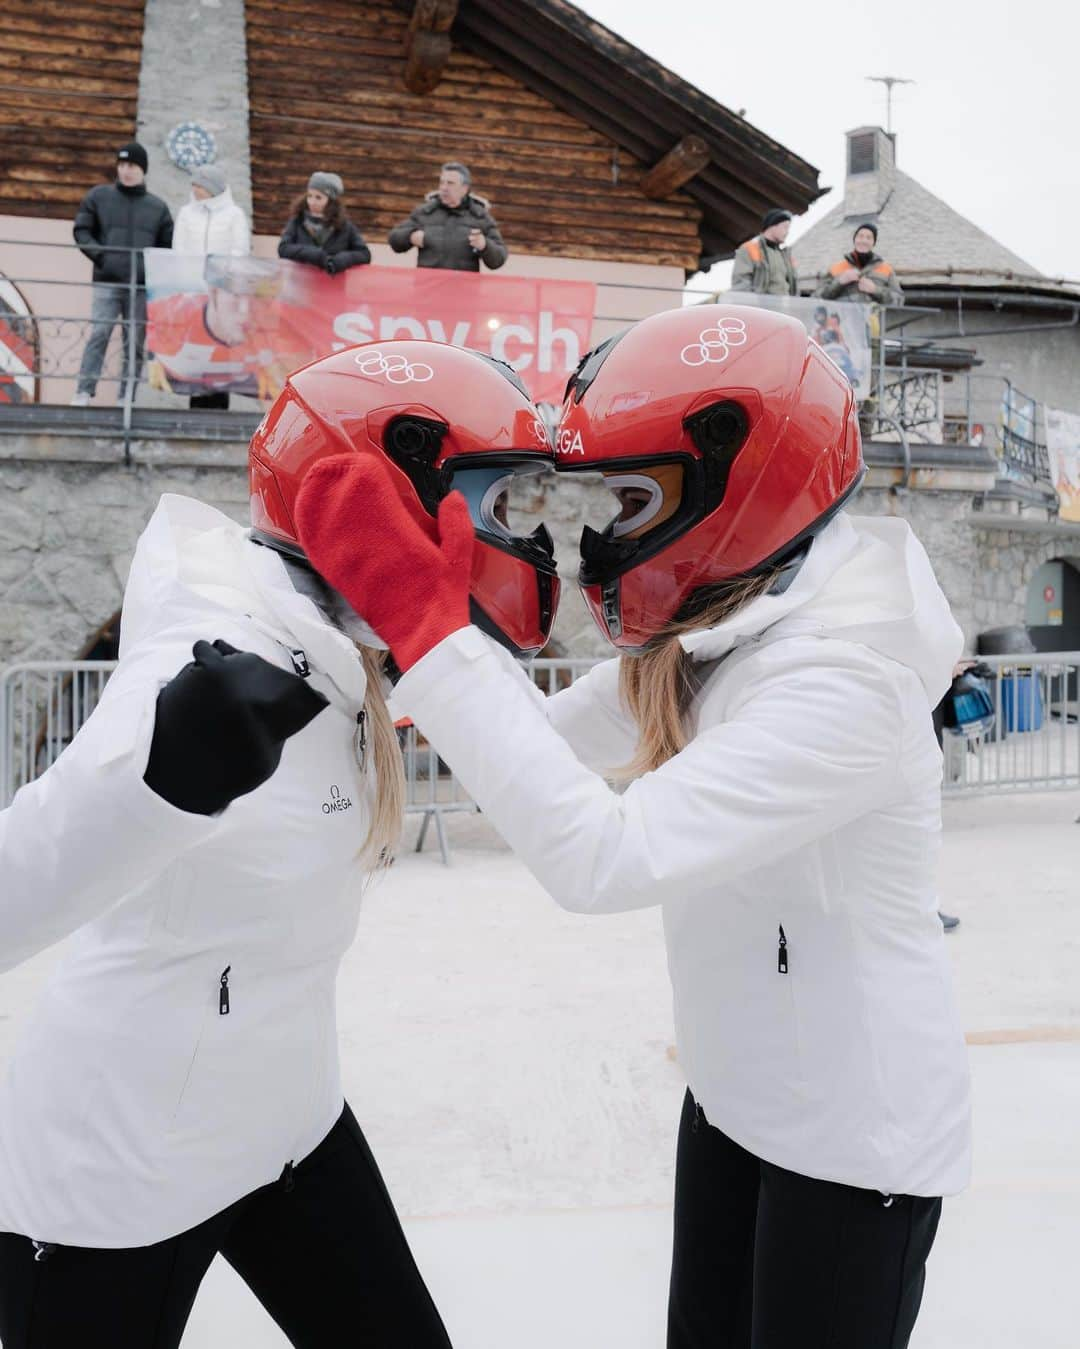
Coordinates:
(992,124)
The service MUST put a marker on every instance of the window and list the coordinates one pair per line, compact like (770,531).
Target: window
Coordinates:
(862,152)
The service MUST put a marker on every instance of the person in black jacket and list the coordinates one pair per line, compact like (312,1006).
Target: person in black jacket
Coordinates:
(319,232)
(113,219)
(452,228)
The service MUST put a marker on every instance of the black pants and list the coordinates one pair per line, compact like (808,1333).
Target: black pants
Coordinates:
(768,1259)
(322,1250)
(215,399)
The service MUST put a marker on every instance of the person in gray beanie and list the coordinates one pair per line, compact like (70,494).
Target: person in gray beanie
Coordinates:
(319,232)
(210,221)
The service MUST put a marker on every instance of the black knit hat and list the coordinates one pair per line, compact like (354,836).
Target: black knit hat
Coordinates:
(866,225)
(774,217)
(133,153)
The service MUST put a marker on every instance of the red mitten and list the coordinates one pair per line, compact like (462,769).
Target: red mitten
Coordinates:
(407,577)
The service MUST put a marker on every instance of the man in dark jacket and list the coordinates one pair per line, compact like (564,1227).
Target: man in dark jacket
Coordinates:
(114,219)
(451,228)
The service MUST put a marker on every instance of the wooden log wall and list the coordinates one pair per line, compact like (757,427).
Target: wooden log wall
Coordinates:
(326,92)
(69,85)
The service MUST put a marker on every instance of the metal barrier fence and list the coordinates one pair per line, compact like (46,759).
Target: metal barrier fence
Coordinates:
(1034,743)
(431,788)
(43,704)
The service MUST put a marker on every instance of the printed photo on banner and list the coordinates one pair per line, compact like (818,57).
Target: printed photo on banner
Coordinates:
(1063,449)
(842,330)
(1018,416)
(241,324)
(19,346)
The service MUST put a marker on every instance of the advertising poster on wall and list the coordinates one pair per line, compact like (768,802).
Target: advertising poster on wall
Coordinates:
(19,347)
(1063,449)
(241,324)
(840,328)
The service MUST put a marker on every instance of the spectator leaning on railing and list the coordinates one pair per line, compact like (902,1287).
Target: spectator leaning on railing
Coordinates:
(763,264)
(113,219)
(319,232)
(862,275)
(451,228)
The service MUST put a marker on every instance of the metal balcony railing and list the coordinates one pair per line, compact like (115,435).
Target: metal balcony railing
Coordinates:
(920,393)
(925,394)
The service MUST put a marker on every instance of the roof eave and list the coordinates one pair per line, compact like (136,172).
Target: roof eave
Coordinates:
(643,108)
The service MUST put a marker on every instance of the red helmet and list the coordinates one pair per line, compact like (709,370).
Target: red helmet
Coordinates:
(442,417)
(730,439)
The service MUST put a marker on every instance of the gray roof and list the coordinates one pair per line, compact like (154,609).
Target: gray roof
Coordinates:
(922,236)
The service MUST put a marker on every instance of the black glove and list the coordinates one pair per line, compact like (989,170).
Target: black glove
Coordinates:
(330,264)
(220,726)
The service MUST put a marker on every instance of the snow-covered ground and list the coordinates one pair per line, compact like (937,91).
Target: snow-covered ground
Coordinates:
(513,1068)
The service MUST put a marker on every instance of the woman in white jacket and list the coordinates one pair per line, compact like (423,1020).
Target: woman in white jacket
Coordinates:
(177,1091)
(210,222)
(770,719)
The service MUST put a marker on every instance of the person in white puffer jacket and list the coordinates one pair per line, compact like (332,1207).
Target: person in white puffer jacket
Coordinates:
(176,1094)
(211,221)
(768,725)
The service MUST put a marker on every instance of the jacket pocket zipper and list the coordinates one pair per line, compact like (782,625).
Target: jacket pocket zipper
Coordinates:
(223,997)
(782,953)
(360,739)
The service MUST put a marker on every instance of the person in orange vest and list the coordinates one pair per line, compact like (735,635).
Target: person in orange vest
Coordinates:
(763,264)
(862,275)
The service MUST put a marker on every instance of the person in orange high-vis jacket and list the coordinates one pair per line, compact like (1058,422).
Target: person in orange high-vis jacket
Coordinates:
(862,275)
(762,264)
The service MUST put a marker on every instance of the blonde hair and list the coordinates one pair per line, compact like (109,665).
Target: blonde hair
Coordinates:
(388,810)
(658,686)
(388,807)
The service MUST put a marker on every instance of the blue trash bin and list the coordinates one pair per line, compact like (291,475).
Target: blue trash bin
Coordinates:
(1021,700)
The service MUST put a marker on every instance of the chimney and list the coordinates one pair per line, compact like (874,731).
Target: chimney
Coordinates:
(871,171)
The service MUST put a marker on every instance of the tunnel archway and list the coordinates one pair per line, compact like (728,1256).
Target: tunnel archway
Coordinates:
(1052,611)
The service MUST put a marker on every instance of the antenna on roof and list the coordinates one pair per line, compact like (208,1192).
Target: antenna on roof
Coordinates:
(888,81)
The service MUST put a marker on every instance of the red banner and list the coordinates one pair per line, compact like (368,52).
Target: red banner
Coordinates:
(241,324)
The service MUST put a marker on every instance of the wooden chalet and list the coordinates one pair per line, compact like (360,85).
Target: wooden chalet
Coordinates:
(584,145)
(69,92)
(562,123)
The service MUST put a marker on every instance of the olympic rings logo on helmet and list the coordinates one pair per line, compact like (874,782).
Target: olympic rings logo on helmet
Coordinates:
(397,368)
(713,344)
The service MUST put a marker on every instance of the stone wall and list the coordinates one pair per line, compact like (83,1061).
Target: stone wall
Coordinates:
(70,529)
(194,69)
(983,566)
